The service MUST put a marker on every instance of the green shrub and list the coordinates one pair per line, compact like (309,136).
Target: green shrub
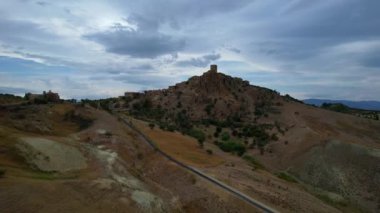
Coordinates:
(274,137)
(253,161)
(82,121)
(208,108)
(287,177)
(108,134)
(329,200)
(216,134)
(197,134)
(171,128)
(183,121)
(225,136)
(162,126)
(337,107)
(2,173)
(231,146)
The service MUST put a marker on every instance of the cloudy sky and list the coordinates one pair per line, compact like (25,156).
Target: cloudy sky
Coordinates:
(101,48)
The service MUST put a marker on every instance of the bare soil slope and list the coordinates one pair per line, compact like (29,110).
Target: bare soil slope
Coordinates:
(120,172)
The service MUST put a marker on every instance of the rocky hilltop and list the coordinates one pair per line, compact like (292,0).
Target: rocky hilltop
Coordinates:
(215,96)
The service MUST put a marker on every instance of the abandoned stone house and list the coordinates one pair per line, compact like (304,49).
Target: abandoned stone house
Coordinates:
(49,97)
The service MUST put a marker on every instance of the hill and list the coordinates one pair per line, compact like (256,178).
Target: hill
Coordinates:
(275,149)
(366,105)
(300,142)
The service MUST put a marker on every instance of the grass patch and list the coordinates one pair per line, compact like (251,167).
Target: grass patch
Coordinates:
(325,198)
(251,160)
(180,146)
(43,175)
(287,177)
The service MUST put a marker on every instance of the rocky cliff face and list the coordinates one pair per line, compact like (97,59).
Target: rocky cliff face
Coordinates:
(211,82)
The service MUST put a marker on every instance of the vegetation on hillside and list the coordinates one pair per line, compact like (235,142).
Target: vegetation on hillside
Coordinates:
(10,99)
(338,107)
(287,177)
(251,160)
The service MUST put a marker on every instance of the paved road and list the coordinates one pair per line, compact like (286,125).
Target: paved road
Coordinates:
(222,185)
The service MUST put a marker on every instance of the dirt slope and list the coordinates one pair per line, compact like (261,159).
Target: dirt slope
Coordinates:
(121,173)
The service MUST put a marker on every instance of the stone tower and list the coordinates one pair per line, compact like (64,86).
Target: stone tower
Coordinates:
(211,81)
(214,67)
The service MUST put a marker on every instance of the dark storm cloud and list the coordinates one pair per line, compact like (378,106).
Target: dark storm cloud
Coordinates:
(234,49)
(42,3)
(174,11)
(143,68)
(138,44)
(142,43)
(148,80)
(200,61)
(147,41)
(313,19)
(18,31)
(301,29)
(372,61)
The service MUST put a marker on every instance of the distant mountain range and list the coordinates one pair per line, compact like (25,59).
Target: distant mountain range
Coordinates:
(367,105)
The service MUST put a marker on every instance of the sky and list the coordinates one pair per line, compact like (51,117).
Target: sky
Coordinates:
(101,48)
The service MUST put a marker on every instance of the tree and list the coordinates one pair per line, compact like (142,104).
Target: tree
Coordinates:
(232,146)
(225,136)
(216,134)
(197,134)
(152,125)
(201,141)
(261,150)
(208,108)
(234,132)
(2,173)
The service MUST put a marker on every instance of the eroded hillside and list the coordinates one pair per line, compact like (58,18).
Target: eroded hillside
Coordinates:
(63,157)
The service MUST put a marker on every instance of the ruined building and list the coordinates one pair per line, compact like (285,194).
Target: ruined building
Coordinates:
(45,97)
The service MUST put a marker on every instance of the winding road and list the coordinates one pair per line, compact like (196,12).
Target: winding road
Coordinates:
(201,174)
